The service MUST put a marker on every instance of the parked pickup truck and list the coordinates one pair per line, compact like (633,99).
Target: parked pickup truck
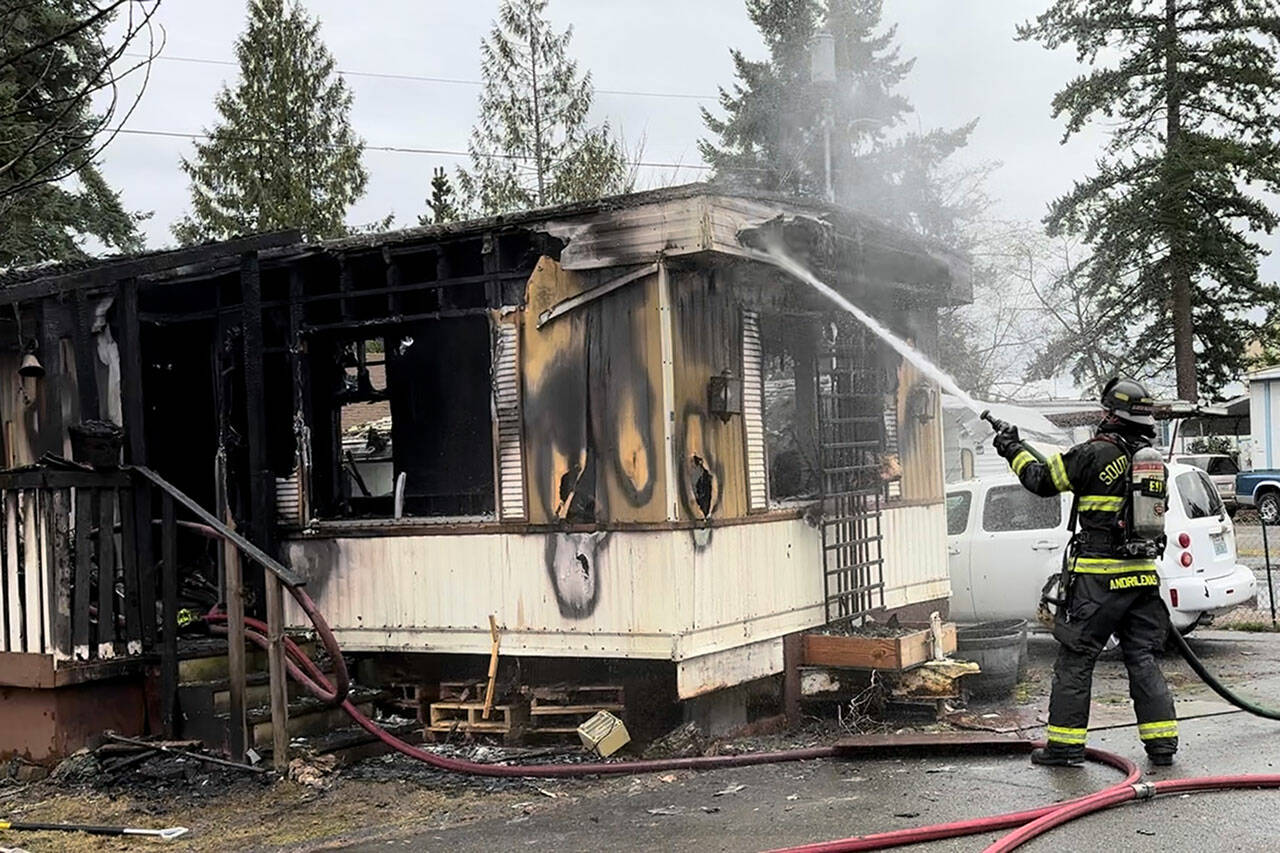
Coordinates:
(1260,489)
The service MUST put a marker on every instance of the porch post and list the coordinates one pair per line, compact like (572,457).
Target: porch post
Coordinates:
(134,411)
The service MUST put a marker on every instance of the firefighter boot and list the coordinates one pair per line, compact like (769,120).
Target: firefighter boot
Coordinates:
(1049,756)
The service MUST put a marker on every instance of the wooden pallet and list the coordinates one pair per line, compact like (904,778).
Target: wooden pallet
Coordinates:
(468,718)
(471,690)
(560,709)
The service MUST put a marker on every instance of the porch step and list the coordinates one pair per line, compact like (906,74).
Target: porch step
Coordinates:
(215,696)
(352,743)
(307,716)
(202,659)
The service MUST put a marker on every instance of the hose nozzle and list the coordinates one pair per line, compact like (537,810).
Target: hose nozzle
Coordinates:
(996,424)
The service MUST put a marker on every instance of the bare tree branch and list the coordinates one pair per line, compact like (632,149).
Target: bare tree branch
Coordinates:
(59,134)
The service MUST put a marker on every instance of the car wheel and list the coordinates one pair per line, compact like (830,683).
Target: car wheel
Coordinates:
(1269,508)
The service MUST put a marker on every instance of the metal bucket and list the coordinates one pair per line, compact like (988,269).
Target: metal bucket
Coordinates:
(1000,649)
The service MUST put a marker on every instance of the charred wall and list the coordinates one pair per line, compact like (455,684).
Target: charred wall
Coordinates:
(592,401)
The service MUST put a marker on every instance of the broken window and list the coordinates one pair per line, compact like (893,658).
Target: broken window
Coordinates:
(367,464)
(790,407)
(414,417)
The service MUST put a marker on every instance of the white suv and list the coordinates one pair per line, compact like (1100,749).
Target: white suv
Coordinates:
(1005,542)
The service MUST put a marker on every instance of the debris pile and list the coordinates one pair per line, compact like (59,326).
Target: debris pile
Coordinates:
(687,741)
(152,770)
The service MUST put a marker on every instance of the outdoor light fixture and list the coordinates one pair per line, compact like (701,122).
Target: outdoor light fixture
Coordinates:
(31,368)
(922,402)
(724,396)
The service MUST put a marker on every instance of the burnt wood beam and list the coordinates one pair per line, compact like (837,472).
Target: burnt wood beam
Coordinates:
(344,287)
(300,376)
(392,279)
(107,273)
(52,428)
(129,333)
(378,322)
(489,259)
(86,367)
(260,502)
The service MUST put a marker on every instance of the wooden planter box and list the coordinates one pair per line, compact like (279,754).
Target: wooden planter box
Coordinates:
(892,653)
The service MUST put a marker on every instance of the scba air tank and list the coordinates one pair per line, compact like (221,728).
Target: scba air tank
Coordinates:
(1149,494)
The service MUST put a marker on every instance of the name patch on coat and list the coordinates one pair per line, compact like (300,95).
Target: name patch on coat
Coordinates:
(1135,581)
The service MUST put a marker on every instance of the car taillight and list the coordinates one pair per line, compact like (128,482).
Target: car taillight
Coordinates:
(1173,597)
(1184,540)
(1186,559)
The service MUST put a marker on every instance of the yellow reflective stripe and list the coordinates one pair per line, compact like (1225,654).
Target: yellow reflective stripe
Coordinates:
(1101,503)
(1074,737)
(1111,566)
(1021,461)
(1058,473)
(1158,730)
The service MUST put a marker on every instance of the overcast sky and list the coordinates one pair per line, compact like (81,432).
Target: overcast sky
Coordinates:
(968,66)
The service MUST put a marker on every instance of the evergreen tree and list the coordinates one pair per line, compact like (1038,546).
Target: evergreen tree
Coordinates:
(1189,89)
(56,56)
(772,137)
(283,154)
(440,207)
(532,145)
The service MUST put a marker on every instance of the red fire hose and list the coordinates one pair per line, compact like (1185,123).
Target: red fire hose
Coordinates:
(973,826)
(1113,797)
(304,670)
(1027,824)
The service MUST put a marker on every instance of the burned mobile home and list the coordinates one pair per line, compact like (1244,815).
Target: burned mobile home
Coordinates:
(614,426)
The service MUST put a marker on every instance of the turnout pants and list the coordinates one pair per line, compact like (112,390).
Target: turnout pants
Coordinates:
(1138,618)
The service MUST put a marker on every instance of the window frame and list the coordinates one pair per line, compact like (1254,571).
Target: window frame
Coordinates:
(967,496)
(1209,488)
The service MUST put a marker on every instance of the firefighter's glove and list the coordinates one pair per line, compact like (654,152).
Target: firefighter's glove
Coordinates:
(1008,443)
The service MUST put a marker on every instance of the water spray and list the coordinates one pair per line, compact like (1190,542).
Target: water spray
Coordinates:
(766,247)
(1004,426)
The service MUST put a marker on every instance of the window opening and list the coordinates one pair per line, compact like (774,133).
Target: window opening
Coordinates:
(414,404)
(1010,508)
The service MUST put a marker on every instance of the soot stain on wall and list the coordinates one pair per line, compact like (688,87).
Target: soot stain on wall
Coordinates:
(573,566)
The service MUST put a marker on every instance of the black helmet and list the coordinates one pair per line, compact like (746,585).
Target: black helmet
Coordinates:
(1130,401)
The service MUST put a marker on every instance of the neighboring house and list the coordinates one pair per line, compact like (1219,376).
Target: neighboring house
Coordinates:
(609,425)
(1264,417)
(967,438)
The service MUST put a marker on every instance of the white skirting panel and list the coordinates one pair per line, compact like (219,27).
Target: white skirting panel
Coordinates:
(660,594)
(915,555)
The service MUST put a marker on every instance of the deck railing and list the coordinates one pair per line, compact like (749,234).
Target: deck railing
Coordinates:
(82,581)
(73,586)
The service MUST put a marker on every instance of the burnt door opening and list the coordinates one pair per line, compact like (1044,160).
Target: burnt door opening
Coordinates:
(181,429)
(851,387)
(179,397)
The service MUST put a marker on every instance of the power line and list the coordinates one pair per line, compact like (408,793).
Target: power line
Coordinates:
(396,149)
(377,75)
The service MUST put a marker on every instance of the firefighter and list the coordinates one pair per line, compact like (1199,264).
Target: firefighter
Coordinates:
(1109,583)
